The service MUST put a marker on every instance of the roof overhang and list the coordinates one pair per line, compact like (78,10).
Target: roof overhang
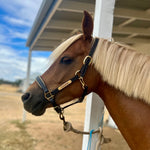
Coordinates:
(59,19)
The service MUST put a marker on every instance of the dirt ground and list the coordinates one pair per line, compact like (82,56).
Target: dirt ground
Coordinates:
(45,132)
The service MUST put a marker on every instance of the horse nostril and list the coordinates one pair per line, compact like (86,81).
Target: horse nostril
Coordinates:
(26,97)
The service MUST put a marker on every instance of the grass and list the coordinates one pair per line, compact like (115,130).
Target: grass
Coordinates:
(17,139)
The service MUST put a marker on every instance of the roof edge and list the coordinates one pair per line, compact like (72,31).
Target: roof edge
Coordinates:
(45,9)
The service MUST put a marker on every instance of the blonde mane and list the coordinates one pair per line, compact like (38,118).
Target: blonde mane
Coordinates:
(123,68)
(120,66)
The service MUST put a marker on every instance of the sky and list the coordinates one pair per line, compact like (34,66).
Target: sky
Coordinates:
(16,19)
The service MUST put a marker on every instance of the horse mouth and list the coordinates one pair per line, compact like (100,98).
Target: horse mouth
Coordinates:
(39,109)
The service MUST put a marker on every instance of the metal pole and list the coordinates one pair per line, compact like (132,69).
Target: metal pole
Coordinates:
(27,82)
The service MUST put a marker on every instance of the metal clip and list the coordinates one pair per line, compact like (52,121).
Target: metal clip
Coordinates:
(61,116)
(82,82)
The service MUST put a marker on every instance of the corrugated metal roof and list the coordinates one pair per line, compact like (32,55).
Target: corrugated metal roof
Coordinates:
(59,19)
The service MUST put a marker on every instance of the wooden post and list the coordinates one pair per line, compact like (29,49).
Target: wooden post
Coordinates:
(103,23)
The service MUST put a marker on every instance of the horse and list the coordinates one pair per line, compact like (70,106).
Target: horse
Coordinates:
(117,73)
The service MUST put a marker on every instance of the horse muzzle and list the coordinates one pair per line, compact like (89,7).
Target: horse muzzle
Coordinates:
(33,104)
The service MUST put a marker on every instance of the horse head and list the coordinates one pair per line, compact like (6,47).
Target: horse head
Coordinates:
(69,59)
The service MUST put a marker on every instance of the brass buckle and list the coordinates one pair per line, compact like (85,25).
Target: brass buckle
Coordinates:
(48,95)
(87,58)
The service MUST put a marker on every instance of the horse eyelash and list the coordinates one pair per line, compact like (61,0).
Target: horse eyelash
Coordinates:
(66,60)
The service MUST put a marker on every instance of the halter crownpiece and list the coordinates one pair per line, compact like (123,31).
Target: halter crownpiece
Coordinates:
(50,95)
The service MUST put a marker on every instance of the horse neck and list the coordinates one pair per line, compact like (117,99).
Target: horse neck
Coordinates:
(130,115)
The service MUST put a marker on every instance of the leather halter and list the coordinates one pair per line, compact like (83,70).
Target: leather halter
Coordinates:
(50,95)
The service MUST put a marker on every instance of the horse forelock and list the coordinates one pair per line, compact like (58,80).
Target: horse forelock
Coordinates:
(63,46)
(123,68)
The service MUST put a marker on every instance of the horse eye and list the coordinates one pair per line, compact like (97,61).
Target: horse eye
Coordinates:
(66,60)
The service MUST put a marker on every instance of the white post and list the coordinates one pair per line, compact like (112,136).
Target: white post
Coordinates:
(103,23)
(28,69)
(27,81)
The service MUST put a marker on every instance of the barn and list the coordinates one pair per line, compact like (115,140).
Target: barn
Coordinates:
(126,21)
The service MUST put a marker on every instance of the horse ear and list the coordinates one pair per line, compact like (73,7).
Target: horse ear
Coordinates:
(87,26)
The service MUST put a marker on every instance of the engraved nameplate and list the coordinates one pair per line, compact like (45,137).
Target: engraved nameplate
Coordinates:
(64,85)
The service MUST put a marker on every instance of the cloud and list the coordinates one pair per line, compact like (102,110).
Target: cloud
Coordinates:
(13,66)
(18,18)
(9,63)
(20,35)
(17,22)
(25,10)
(9,35)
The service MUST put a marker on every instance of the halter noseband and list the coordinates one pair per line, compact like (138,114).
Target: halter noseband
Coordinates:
(50,95)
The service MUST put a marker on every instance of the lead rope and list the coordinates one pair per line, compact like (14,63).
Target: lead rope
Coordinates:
(90,140)
(67,126)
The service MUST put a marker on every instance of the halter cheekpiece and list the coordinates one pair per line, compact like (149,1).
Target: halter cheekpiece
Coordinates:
(50,95)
